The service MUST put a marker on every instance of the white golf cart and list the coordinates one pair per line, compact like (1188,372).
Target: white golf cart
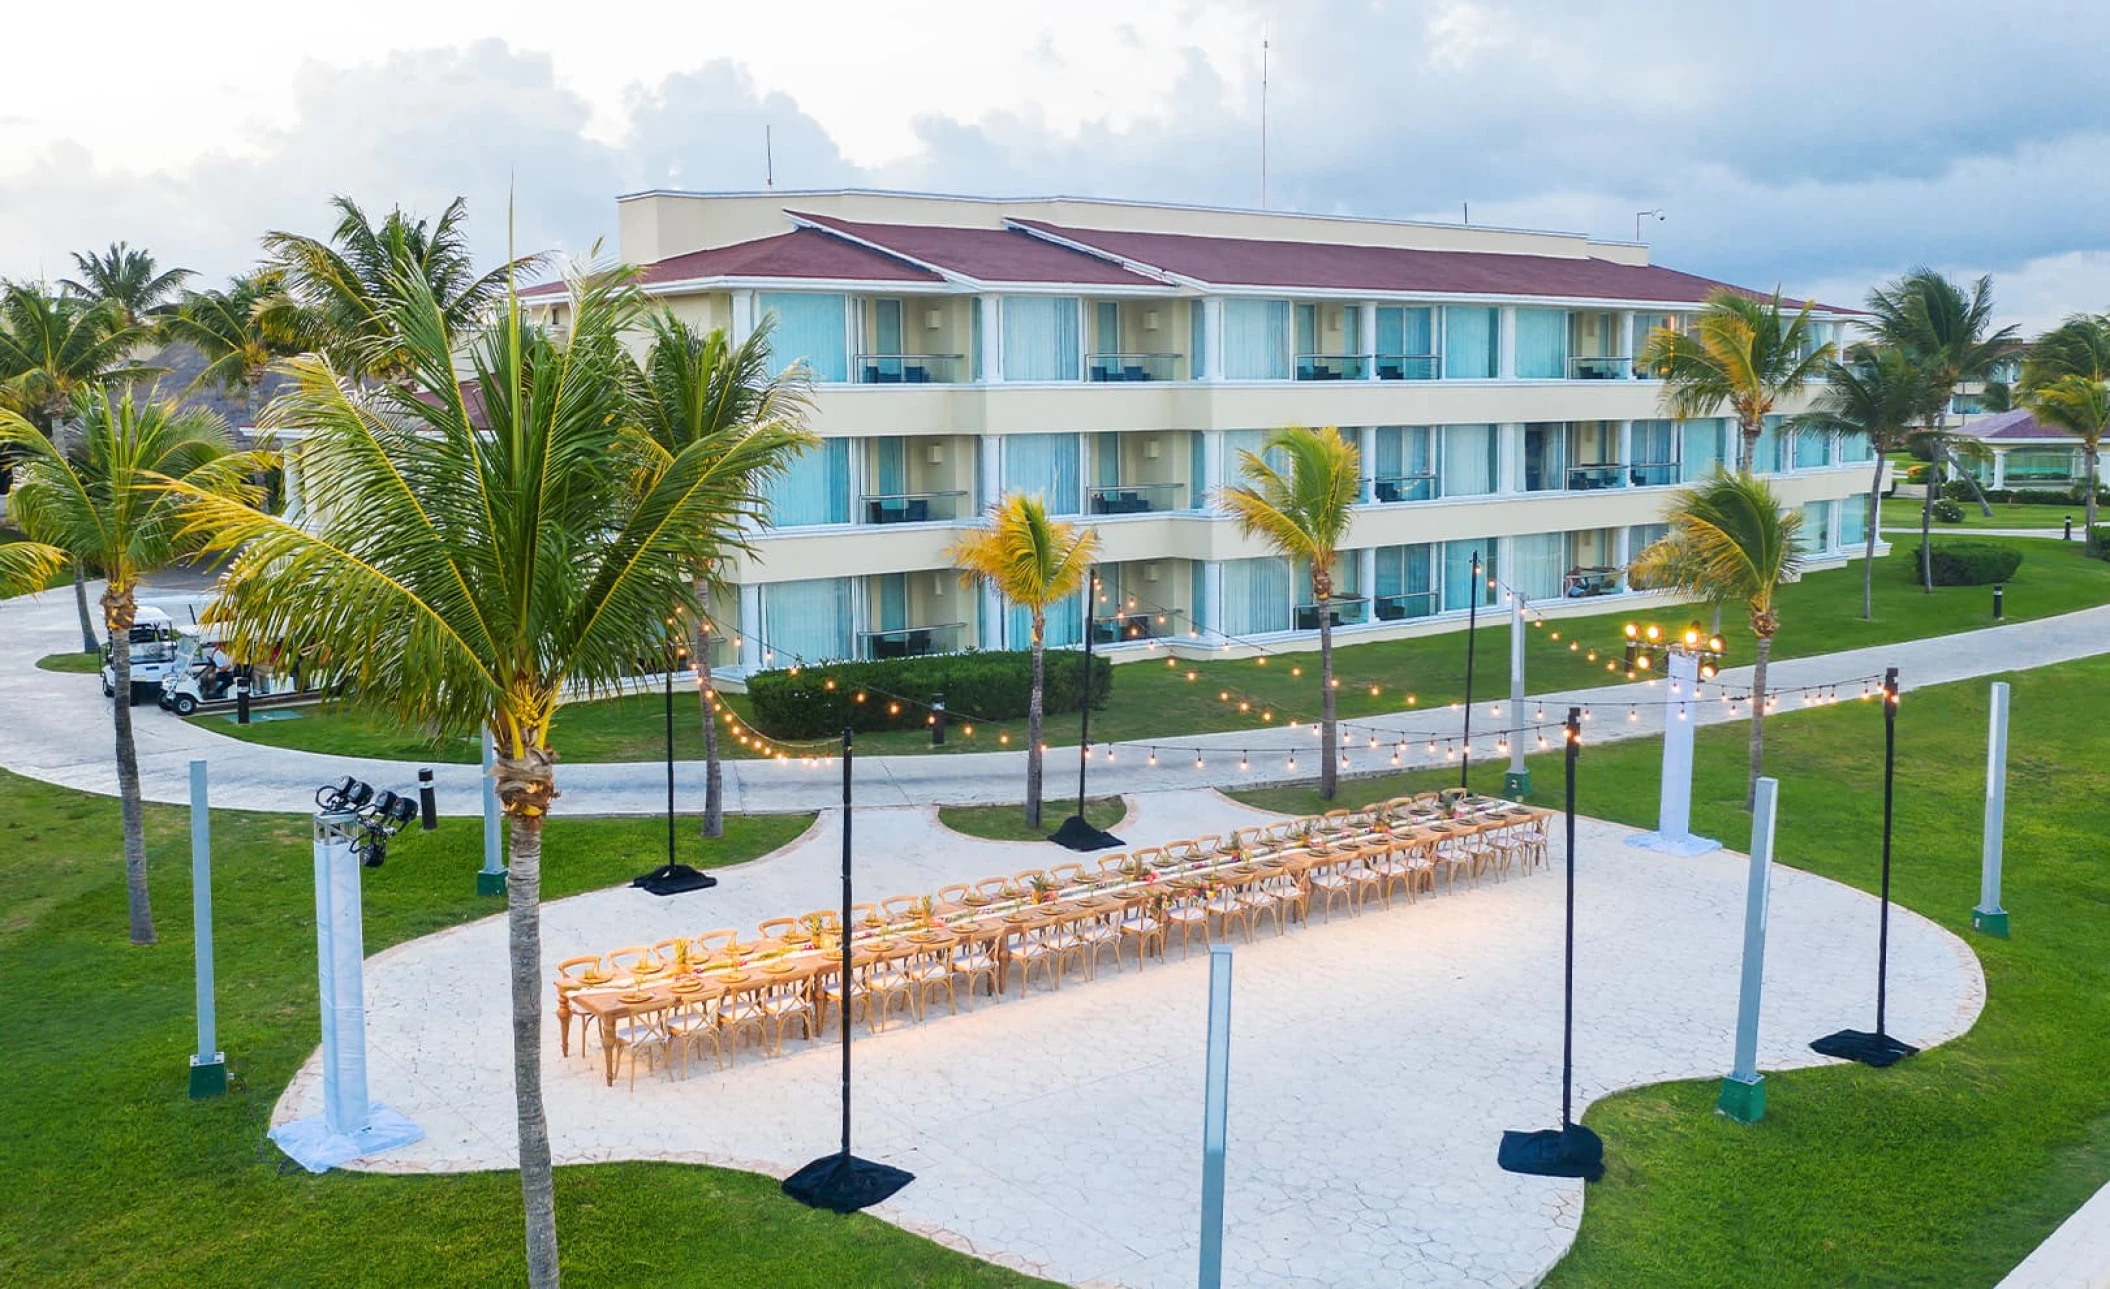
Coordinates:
(153,649)
(203,676)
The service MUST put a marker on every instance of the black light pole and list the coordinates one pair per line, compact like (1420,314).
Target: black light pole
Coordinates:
(672,878)
(1472,626)
(1570,1150)
(841,1182)
(1076,832)
(1878,1049)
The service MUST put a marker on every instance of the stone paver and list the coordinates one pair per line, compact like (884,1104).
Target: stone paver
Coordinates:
(56,731)
(2076,1256)
(1375,1061)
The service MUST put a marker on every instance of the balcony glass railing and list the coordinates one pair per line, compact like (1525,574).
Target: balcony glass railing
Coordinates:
(1403,487)
(1125,627)
(1590,478)
(1409,366)
(908,369)
(1405,605)
(912,642)
(1130,367)
(1652,474)
(1331,366)
(915,508)
(1599,368)
(1345,610)
(1585,583)
(1135,498)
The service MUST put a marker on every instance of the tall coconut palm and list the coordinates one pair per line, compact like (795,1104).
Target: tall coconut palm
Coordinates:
(1875,396)
(1731,542)
(1033,562)
(226,328)
(468,561)
(2066,382)
(130,281)
(338,293)
(1303,512)
(1948,333)
(101,495)
(697,387)
(52,348)
(1743,355)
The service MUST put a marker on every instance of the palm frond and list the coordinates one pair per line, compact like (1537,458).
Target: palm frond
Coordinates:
(1304,512)
(1031,560)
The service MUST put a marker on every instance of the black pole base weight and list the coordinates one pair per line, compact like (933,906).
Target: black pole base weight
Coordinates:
(1879,1050)
(1573,1151)
(843,1183)
(1076,834)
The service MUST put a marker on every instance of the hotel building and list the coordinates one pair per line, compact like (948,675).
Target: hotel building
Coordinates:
(1117,357)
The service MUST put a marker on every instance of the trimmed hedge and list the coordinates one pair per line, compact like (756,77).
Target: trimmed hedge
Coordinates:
(995,686)
(1968,564)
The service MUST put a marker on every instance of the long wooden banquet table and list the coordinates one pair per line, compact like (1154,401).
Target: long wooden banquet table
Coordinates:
(796,968)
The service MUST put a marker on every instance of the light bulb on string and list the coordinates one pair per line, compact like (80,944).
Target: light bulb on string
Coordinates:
(1633,713)
(1293,759)
(1197,759)
(1242,766)
(1153,758)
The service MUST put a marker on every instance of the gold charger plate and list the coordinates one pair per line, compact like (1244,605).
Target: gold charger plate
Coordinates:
(734,977)
(778,968)
(634,998)
(687,986)
(595,978)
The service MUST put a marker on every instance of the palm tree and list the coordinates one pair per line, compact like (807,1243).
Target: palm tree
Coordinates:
(338,292)
(129,280)
(102,495)
(1032,561)
(1730,540)
(2066,382)
(1303,514)
(1946,332)
(1743,355)
(1875,395)
(53,347)
(697,387)
(224,326)
(471,559)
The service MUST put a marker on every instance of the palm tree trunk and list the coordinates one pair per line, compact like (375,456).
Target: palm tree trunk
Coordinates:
(1329,756)
(1747,431)
(525,785)
(1868,558)
(707,700)
(2093,457)
(89,644)
(1714,628)
(118,612)
(1033,719)
(1758,716)
(1927,521)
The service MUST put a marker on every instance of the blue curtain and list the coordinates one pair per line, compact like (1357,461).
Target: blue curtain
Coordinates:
(815,490)
(1855,449)
(1065,625)
(890,464)
(1197,471)
(1654,442)
(1768,455)
(1813,448)
(974,338)
(1106,459)
(1853,522)
(886,326)
(1307,316)
(1458,584)
(1542,344)
(1471,342)
(1197,342)
(1040,337)
(1405,576)
(1256,596)
(1256,339)
(1106,327)
(809,327)
(893,601)
(1047,465)
(1705,448)
(1816,534)
(1404,332)
(1468,460)
(807,621)
(1239,442)
(1536,564)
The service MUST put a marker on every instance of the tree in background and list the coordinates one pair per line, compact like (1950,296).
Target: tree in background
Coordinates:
(1875,396)
(2066,382)
(130,281)
(1742,355)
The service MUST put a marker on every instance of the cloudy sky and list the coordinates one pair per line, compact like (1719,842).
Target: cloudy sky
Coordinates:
(1820,146)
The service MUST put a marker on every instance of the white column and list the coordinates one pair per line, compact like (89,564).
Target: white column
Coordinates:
(1673,835)
(1507,342)
(1622,552)
(2000,468)
(1626,453)
(1630,349)
(1368,341)
(1366,448)
(751,627)
(1988,915)
(992,340)
(1212,462)
(743,314)
(296,495)
(990,465)
(1366,578)
(1509,458)
(340,958)
(1213,338)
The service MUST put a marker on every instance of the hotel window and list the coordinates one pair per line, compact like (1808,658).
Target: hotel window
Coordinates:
(1816,534)
(1468,461)
(1239,442)
(1062,628)
(808,328)
(1813,448)
(1403,466)
(1542,344)
(1041,338)
(1256,595)
(1458,584)
(1536,563)
(1853,523)
(815,489)
(1706,447)
(1406,344)
(1769,453)
(1654,460)
(1256,339)
(1406,582)
(1046,465)
(1197,341)
(806,621)
(1855,449)
(1471,343)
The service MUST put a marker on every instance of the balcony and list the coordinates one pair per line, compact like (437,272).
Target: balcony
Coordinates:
(1652,474)
(1587,583)
(1131,367)
(1134,498)
(1126,628)
(1344,610)
(916,508)
(1594,477)
(1599,368)
(1387,488)
(1409,366)
(1405,606)
(1332,366)
(912,642)
(908,369)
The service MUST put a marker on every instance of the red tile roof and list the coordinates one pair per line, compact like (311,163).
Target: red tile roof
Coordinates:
(987,254)
(1234,261)
(800,253)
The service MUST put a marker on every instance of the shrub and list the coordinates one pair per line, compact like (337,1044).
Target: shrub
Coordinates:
(1919,474)
(1959,490)
(994,686)
(1948,512)
(2102,541)
(1968,564)
(2043,496)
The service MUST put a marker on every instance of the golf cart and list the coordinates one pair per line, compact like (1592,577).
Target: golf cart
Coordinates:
(153,649)
(203,675)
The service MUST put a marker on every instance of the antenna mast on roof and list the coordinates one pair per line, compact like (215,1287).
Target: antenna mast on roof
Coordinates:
(769,161)
(1263,117)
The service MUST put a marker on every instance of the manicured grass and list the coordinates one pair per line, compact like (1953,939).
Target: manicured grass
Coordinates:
(1950,1167)
(114,1176)
(1008,822)
(78,664)
(1819,614)
(1900,513)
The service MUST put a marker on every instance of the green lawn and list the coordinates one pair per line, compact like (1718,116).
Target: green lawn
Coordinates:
(1819,614)
(1901,513)
(1949,1168)
(114,1176)
(1008,822)
(76,664)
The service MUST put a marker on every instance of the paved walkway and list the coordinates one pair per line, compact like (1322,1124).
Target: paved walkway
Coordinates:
(56,730)
(2076,1256)
(1375,1059)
